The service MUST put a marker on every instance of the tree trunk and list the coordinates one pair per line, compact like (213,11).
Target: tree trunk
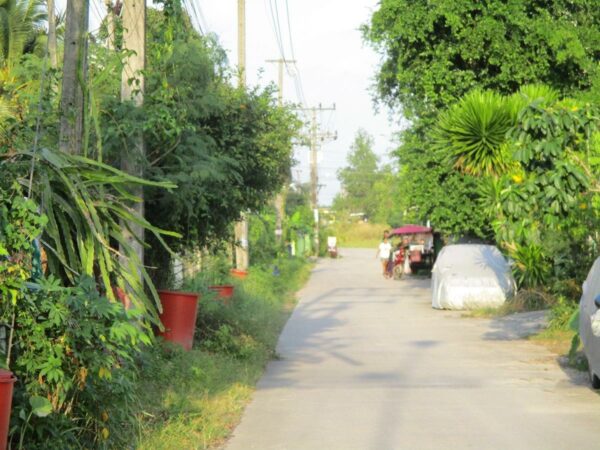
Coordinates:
(72,102)
(132,89)
(52,34)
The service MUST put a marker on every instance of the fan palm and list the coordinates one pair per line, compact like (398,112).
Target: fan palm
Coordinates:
(473,133)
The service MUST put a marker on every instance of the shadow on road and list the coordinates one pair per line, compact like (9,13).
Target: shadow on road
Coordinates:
(516,326)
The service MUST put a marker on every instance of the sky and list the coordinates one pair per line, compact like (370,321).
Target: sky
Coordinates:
(334,66)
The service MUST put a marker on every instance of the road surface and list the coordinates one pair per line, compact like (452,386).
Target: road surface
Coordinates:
(365,363)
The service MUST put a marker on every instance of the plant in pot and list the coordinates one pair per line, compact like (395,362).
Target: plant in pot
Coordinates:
(213,278)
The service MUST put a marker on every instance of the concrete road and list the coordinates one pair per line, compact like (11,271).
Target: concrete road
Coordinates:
(367,364)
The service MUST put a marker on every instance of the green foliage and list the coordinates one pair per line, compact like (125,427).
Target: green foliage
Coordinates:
(435,52)
(561,314)
(472,133)
(366,187)
(358,177)
(73,357)
(261,237)
(552,144)
(86,203)
(252,316)
(225,341)
(430,190)
(532,267)
(18,22)
(20,225)
(228,149)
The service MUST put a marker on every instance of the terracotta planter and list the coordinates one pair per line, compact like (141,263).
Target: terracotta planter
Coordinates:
(7,380)
(237,273)
(224,292)
(179,317)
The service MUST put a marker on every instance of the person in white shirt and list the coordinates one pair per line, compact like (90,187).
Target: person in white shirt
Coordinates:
(383,252)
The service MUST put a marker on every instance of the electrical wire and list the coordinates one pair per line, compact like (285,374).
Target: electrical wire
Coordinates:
(274,23)
(190,7)
(196,15)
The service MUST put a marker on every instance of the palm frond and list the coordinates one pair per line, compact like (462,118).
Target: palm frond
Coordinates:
(472,133)
(86,213)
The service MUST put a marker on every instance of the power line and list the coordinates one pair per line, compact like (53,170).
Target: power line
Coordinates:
(275,30)
(190,7)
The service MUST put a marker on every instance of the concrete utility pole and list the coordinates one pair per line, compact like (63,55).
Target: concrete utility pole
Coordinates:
(316,138)
(111,13)
(280,198)
(74,74)
(52,34)
(241,228)
(132,89)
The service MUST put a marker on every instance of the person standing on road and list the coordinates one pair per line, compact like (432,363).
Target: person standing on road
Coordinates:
(383,252)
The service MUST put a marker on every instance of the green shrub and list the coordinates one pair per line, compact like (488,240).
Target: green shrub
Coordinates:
(250,321)
(561,313)
(73,355)
(532,267)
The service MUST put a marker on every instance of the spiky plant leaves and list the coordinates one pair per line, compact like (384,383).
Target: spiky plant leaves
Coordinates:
(472,134)
(18,21)
(87,203)
(539,94)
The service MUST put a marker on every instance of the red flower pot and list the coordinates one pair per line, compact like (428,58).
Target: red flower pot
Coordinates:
(237,273)
(224,291)
(7,380)
(179,317)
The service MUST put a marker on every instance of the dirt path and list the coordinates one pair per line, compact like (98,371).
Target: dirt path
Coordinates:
(367,364)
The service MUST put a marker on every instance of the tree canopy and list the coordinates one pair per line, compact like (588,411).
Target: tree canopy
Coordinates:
(435,51)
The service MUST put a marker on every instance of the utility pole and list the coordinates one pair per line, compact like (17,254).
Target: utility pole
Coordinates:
(132,89)
(72,101)
(52,34)
(316,137)
(112,11)
(280,65)
(280,198)
(241,227)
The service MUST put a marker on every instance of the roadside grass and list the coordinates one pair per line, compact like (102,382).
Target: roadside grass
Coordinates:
(358,234)
(193,400)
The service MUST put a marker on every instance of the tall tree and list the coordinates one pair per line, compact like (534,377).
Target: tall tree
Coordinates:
(52,45)
(72,102)
(434,52)
(359,176)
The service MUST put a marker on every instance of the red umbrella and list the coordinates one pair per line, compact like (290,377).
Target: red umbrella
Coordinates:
(411,229)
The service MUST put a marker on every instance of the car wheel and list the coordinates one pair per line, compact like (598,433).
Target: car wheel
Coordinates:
(594,380)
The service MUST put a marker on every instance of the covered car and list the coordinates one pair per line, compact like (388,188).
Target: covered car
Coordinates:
(589,322)
(468,276)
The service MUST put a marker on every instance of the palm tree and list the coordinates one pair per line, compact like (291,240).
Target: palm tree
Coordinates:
(472,133)
(19,20)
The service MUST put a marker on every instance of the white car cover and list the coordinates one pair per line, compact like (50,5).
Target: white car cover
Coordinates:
(589,318)
(467,276)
